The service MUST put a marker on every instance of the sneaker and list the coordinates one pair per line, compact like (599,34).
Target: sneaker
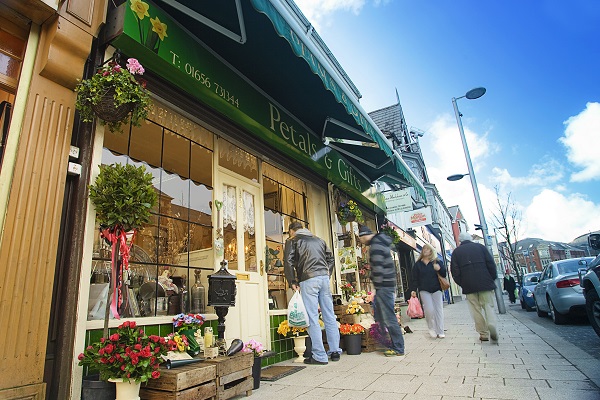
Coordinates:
(392,353)
(483,339)
(335,356)
(311,360)
(432,333)
(494,338)
(441,336)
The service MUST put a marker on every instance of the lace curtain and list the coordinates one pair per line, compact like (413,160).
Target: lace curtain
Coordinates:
(248,202)
(229,206)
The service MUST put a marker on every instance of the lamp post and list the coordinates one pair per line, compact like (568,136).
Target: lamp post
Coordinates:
(471,95)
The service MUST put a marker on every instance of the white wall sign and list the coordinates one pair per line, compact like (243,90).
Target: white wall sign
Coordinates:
(418,217)
(398,201)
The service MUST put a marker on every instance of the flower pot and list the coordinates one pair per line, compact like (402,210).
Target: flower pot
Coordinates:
(299,348)
(126,390)
(353,344)
(95,389)
(356,318)
(106,109)
(191,337)
(256,368)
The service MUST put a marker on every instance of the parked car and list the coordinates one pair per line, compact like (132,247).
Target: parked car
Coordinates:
(590,282)
(526,291)
(558,291)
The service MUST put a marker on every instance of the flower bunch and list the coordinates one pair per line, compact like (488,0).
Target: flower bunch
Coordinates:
(284,329)
(255,347)
(113,79)
(364,269)
(380,334)
(351,329)
(389,230)
(347,287)
(182,322)
(177,342)
(354,308)
(348,212)
(128,354)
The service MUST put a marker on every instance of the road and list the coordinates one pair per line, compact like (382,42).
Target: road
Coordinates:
(577,332)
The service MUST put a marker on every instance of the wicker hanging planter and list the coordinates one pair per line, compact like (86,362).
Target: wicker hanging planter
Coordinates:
(106,109)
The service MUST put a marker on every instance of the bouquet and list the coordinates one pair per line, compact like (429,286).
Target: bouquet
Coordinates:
(120,85)
(285,330)
(380,335)
(255,347)
(127,354)
(177,342)
(354,308)
(347,287)
(348,212)
(183,322)
(351,329)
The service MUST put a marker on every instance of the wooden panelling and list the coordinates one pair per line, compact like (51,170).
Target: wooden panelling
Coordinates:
(29,243)
(32,392)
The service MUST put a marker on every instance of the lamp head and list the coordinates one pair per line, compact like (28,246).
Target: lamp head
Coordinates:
(456,177)
(475,93)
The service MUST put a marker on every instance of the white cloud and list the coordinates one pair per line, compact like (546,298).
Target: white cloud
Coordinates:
(547,172)
(554,216)
(319,11)
(582,140)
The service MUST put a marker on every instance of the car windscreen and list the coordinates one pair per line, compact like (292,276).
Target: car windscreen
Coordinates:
(568,267)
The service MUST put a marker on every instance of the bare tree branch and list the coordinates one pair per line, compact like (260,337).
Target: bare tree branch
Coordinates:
(507,221)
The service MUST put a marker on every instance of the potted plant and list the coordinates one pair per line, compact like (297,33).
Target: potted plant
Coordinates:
(128,357)
(113,94)
(389,230)
(256,348)
(352,336)
(347,289)
(349,212)
(189,325)
(355,310)
(298,334)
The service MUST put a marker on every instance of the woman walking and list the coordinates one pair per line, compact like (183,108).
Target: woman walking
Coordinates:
(425,277)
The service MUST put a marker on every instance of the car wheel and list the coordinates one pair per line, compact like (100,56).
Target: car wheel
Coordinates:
(522,304)
(540,313)
(528,307)
(558,318)
(592,306)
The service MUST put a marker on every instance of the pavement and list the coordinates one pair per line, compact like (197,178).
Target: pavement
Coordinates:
(528,362)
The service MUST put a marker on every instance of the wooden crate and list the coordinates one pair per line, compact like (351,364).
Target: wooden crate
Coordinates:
(188,382)
(233,375)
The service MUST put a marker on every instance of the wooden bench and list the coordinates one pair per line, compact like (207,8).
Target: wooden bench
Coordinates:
(189,382)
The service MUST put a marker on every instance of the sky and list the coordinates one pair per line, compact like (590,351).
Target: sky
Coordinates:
(534,135)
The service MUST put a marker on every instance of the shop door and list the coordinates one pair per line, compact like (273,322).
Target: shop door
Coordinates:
(243,237)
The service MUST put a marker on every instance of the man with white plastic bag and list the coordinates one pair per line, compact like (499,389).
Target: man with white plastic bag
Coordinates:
(308,265)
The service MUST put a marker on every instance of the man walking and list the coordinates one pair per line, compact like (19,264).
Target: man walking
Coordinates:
(474,269)
(383,276)
(308,262)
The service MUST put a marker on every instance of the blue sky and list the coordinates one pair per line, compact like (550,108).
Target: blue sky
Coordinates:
(536,132)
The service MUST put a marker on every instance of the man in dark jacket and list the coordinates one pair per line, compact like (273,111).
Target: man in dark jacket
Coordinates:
(383,276)
(308,263)
(474,269)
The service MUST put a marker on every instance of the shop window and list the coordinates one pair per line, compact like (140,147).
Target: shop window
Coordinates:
(177,242)
(285,202)
(237,160)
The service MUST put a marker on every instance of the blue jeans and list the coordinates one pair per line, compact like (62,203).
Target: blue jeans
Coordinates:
(385,315)
(315,292)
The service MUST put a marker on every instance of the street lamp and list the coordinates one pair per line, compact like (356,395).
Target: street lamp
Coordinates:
(471,95)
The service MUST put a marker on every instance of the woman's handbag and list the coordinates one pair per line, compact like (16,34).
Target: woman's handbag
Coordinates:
(444,284)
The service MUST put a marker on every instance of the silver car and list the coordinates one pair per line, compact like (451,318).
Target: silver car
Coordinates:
(558,292)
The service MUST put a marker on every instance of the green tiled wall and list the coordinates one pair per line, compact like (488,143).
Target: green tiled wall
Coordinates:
(284,347)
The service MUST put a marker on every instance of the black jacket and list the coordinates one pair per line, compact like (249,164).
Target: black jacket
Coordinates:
(425,277)
(383,269)
(306,256)
(473,267)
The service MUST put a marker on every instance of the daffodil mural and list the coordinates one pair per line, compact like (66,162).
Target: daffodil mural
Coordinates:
(152,30)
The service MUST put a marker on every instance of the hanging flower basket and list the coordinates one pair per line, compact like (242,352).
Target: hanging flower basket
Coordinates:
(114,95)
(106,109)
(349,212)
